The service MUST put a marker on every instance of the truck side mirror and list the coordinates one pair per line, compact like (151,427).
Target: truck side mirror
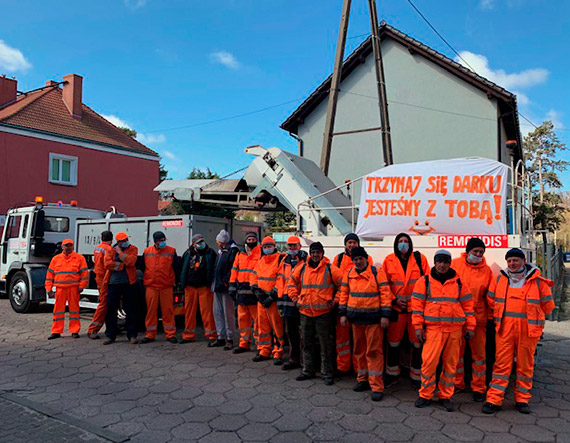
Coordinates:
(38,228)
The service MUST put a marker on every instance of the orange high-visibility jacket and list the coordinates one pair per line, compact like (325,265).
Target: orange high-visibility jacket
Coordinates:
(240,277)
(444,307)
(365,296)
(478,277)
(99,258)
(264,275)
(65,271)
(314,289)
(402,283)
(343,261)
(159,267)
(538,297)
(125,260)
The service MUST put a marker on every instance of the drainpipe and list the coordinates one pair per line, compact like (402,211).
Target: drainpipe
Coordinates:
(300,145)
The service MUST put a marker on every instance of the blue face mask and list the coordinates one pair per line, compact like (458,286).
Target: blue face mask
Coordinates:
(161,244)
(293,252)
(125,245)
(201,245)
(403,247)
(268,250)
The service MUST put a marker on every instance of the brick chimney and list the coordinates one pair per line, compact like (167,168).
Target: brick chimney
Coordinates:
(72,94)
(8,88)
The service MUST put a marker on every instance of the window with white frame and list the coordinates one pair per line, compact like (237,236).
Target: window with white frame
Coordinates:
(63,169)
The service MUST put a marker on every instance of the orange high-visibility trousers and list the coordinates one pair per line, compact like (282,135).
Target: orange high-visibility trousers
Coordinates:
(436,343)
(247,324)
(63,295)
(205,298)
(396,331)
(99,317)
(512,341)
(479,368)
(343,347)
(270,325)
(165,298)
(368,340)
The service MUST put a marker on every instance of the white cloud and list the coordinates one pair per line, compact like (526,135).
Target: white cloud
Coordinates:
(226,59)
(135,4)
(116,121)
(523,79)
(487,4)
(12,59)
(169,155)
(556,118)
(151,139)
(522,99)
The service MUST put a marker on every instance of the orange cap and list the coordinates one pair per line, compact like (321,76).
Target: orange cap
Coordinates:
(293,240)
(268,241)
(121,236)
(67,241)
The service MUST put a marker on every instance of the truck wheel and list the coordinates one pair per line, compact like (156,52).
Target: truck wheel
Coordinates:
(19,294)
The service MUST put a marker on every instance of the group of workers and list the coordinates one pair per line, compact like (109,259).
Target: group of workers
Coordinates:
(337,312)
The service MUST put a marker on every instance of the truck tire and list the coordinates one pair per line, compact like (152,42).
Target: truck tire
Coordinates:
(19,294)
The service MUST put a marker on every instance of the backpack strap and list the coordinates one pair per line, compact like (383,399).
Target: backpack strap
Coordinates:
(375,273)
(459,286)
(428,289)
(339,259)
(418,257)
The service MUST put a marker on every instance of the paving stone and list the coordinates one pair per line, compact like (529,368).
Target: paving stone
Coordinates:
(263,414)
(164,387)
(325,415)
(266,400)
(291,437)
(233,407)
(220,437)
(201,414)
(533,433)
(257,432)
(292,422)
(500,437)
(445,417)
(164,422)
(360,437)
(431,437)
(324,400)
(174,406)
(423,423)
(490,423)
(228,423)
(325,431)
(186,393)
(209,400)
(563,438)
(462,432)
(555,424)
(394,432)
(151,437)
(355,407)
(357,423)
(190,430)
(515,417)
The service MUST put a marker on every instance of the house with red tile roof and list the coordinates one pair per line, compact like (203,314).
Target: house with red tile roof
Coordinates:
(55,146)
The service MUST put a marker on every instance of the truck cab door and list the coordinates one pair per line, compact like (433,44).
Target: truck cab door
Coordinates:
(11,242)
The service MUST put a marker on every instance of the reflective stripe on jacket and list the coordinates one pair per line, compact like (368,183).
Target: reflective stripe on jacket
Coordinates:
(99,259)
(243,267)
(477,277)
(444,307)
(314,289)
(539,302)
(286,304)
(65,271)
(159,267)
(402,283)
(127,260)
(264,275)
(365,296)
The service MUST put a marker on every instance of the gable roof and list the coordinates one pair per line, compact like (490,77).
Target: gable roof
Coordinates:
(507,100)
(44,111)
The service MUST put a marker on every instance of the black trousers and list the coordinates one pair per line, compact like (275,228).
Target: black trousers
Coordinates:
(292,324)
(317,330)
(127,294)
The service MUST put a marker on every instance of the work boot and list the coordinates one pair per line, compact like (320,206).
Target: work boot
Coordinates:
(422,402)
(390,380)
(216,343)
(278,361)
(361,386)
(478,397)
(340,374)
(109,341)
(328,380)
(185,340)
(291,365)
(172,340)
(377,396)
(53,336)
(93,336)
(523,408)
(147,340)
(447,405)
(75,335)
(259,357)
(490,408)
(133,341)
(240,350)
(229,345)
(302,377)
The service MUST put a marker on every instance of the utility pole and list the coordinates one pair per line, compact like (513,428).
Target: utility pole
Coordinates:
(541,184)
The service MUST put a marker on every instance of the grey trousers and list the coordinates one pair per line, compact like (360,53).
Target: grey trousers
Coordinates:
(224,315)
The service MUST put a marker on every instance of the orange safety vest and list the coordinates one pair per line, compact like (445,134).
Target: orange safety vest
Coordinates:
(159,273)
(539,301)
(314,289)
(243,267)
(444,307)
(125,260)
(402,283)
(65,271)
(365,296)
(478,277)
(264,275)
(99,259)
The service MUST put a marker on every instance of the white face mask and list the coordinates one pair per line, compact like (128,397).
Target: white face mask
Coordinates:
(268,250)
(474,259)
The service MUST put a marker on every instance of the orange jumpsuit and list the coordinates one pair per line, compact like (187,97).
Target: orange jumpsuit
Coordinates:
(68,274)
(240,277)
(401,284)
(343,261)
(159,280)
(519,321)
(443,310)
(364,299)
(102,285)
(478,278)
(269,322)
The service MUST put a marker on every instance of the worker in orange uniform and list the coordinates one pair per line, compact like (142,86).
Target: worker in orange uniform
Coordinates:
(197,277)
(120,262)
(520,299)
(161,267)
(403,268)
(100,272)
(477,276)
(441,306)
(240,289)
(288,308)
(313,286)
(269,322)
(68,274)
(366,303)
(343,261)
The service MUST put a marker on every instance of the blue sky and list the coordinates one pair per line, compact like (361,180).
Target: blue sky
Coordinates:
(163,64)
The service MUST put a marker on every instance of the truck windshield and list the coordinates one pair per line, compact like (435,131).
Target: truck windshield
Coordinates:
(56,224)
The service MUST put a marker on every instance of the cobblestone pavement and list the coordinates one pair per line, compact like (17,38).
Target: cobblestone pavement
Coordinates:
(164,392)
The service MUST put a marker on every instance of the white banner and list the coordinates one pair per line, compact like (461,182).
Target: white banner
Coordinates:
(457,196)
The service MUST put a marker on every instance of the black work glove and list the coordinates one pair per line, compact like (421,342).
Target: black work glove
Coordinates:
(267,302)
(273,294)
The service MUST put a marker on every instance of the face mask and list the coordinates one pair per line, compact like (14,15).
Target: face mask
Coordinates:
(200,245)
(292,252)
(268,250)
(125,245)
(161,244)
(474,259)
(403,247)
(251,244)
